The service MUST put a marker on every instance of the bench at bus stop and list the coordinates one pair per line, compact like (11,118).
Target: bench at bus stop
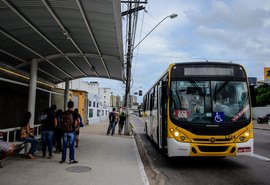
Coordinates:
(11,135)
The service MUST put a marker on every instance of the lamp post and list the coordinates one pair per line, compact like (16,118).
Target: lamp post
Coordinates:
(172,16)
(129,58)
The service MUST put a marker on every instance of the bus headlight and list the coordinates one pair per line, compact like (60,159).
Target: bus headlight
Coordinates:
(245,136)
(177,135)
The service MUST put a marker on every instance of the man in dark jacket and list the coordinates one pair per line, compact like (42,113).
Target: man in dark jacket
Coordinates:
(122,120)
(112,119)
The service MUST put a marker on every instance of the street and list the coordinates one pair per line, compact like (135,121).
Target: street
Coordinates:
(210,171)
(262,142)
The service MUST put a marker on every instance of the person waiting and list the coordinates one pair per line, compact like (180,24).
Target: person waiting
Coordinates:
(122,120)
(48,125)
(6,148)
(26,135)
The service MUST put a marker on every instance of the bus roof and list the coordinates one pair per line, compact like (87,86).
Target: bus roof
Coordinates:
(229,63)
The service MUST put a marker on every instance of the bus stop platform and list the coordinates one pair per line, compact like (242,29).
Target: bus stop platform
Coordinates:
(103,159)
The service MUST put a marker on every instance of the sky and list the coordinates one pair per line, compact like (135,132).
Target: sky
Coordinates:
(213,30)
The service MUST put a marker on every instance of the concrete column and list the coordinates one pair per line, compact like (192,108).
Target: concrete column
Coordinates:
(50,99)
(66,94)
(32,91)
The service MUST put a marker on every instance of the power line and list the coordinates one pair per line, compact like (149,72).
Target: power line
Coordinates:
(135,62)
(208,58)
(132,16)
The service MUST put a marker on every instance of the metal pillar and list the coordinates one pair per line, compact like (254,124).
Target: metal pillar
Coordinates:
(66,94)
(32,91)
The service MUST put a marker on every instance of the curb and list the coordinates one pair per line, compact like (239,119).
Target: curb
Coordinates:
(154,176)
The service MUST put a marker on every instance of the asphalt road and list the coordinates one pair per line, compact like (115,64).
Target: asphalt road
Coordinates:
(210,171)
(262,143)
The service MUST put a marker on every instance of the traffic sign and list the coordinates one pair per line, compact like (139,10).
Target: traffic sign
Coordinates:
(267,73)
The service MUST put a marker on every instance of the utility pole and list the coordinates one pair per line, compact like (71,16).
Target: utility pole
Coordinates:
(130,48)
(129,13)
(128,73)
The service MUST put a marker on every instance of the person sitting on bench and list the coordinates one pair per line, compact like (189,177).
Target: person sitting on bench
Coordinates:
(6,149)
(28,136)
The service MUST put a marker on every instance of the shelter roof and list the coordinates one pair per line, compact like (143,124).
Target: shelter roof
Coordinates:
(68,38)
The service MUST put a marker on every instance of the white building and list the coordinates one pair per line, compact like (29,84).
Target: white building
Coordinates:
(99,99)
(105,94)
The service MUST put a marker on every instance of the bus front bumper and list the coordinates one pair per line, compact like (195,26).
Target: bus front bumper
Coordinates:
(176,148)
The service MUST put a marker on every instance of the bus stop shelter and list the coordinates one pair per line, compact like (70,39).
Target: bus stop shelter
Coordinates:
(52,41)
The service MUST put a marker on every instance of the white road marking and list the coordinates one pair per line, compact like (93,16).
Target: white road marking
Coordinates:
(266,133)
(261,157)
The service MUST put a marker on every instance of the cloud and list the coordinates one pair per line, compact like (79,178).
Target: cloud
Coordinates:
(236,15)
(236,30)
(216,30)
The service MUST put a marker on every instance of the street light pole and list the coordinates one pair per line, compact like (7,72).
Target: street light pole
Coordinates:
(129,59)
(172,16)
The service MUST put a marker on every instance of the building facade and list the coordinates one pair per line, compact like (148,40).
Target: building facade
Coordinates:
(98,99)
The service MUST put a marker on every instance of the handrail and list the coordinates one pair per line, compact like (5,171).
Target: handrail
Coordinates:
(14,129)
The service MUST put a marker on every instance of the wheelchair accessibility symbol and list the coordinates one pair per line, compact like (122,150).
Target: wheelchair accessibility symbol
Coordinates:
(219,117)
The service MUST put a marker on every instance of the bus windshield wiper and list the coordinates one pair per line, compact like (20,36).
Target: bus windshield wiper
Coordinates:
(197,87)
(222,86)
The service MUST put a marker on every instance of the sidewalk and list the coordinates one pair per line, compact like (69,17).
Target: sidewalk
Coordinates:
(102,160)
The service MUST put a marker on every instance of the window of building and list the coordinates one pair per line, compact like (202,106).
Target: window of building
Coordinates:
(97,105)
(94,104)
(90,103)
(90,113)
(98,113)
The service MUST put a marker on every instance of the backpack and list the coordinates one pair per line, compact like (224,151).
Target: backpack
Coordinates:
(67,122)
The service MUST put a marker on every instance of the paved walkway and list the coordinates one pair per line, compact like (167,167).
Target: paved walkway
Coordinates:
(103,160)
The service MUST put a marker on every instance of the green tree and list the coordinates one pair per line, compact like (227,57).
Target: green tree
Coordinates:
(263,95)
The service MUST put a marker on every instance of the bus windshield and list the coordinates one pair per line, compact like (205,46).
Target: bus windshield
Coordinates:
(209,102)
